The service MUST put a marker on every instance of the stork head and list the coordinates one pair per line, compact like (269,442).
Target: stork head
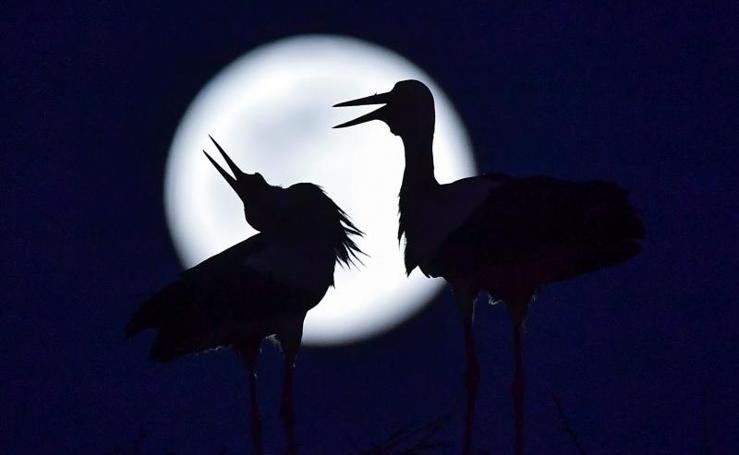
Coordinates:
(301,212)
(408,109)
(252,189)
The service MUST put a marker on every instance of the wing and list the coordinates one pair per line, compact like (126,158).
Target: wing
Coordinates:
(224,293)
(226,259)
(576,226)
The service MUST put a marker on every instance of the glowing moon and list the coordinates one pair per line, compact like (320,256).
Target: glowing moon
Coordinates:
(271,110)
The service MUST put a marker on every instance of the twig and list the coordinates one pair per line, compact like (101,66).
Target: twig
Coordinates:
(566,425)
(403,437)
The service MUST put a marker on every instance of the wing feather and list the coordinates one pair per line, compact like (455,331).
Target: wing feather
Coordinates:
(527,219)
(195,312)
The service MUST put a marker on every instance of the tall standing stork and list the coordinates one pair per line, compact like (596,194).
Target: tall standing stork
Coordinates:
(497,234)
(259,287)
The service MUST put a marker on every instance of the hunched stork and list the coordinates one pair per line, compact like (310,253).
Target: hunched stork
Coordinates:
(259,287)
(501,235)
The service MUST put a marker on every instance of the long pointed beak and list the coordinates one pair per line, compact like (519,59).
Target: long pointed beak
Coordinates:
(377,98)
(231,165)
(232,180)
(379,114)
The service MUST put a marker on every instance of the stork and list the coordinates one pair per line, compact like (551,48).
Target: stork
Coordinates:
(259,287)
(497,234)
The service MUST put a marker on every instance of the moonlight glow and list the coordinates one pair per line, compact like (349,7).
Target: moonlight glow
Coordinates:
(271,110)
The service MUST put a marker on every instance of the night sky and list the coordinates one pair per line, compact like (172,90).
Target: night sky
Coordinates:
(642,356)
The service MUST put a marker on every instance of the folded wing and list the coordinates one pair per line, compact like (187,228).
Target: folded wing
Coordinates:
(218,302)
(568,227)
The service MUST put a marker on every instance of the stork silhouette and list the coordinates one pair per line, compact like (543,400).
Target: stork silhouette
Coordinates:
(502,235)
(259,287)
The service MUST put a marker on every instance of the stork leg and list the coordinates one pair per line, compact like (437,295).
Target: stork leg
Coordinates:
(517,389)
(287,409)
(466,301)
(290,336)
(248,354)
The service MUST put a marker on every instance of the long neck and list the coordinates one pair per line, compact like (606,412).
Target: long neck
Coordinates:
(419,161)
(418,181)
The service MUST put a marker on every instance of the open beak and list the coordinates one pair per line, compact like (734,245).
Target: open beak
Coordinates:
(233,181)
(379,114)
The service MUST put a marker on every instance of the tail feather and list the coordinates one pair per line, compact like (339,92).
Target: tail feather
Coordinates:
(613,228)
(179,324)
(152,313)
(141,320)
(613,213)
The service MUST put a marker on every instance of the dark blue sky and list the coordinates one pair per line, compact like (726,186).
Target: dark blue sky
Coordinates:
(641,355)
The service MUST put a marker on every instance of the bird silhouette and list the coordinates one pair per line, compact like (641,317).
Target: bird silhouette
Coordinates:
(259,287)
(502,235)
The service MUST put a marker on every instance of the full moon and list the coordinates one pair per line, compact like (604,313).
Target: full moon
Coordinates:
(271,111)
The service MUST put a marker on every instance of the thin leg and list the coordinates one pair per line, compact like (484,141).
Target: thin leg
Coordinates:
(472,374)
(287,408)
(249,357)
(517,389)
(290,335)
